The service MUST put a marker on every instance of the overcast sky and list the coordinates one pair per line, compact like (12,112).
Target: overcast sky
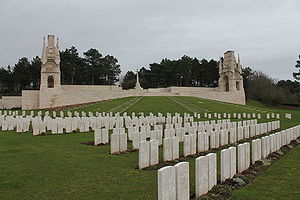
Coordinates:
(266,33)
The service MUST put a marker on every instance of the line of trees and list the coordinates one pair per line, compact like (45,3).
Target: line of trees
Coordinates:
(91,69)
(259,86)
(186,72)
(24,75)
(297,74)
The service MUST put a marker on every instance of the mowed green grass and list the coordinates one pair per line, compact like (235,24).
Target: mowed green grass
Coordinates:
(281,181)
(104,106)
(156,105)
(59,167)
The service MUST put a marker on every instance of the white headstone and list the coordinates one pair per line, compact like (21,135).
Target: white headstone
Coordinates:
(144,154)
(123,142)
(115,143)
(201,175)
(167,183)
(232,151)
(193,144)
(167,149)
(97,137)
(175,148)
(225,164)
(187,146)
(212,170)
(182,181)
(154,154)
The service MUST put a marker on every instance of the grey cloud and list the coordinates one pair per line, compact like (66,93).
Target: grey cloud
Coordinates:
(139,32)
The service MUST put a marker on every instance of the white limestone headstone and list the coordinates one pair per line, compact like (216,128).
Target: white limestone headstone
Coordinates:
(212,170)
(166,177)
(144,154)
(187,146)
(123,142)
(175,148)
(167,149)
(193,144)
(232,152)
(201,175)
(104,136)
(154,154)
(225,164)
(97,137)
(182,181)
(115,143)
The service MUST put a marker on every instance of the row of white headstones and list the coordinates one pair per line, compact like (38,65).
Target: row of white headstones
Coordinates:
(10,120)
(174,181)
(111,114)
(195,140)
(59,125)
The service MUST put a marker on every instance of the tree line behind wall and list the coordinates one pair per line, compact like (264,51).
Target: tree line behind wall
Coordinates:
(185,72)
(258,85)
(91,69)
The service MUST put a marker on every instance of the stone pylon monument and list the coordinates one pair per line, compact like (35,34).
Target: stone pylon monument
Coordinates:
(230,72)
(50,69)
(137,84)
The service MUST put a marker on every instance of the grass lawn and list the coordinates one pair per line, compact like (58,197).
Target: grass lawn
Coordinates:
(59,167)
(281,181)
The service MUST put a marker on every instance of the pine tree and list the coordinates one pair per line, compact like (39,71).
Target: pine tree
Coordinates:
(297,74)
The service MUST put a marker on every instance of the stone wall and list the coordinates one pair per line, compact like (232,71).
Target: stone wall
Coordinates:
(90,87)
(30,99)
(237,97)
(8,102)
(50,98)
(180,90)
(72,94)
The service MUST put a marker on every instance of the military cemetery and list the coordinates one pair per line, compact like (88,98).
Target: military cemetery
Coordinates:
(201,100)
